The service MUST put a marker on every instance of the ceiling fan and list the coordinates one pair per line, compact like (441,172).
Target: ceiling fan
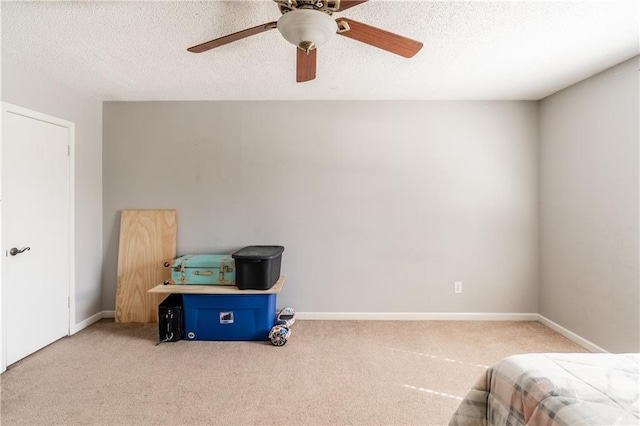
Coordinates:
(307,24)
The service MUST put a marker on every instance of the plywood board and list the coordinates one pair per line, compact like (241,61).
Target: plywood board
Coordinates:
(147,240)
(214,289)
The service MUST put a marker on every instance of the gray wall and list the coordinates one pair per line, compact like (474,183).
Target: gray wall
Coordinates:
(381,205)
(589,208)
(27,87)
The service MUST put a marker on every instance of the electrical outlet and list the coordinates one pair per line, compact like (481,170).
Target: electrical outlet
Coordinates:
(457,287)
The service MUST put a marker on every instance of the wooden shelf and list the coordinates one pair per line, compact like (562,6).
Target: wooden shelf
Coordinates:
(214,289)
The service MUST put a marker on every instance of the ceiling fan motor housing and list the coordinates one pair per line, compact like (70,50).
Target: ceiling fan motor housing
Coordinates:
(307,28)
(328,6)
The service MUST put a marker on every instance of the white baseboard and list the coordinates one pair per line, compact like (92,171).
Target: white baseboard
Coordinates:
(591,347)
(416,316)
(86,323)
(92,319)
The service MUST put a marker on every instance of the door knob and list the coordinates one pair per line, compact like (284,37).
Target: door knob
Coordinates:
(15,251)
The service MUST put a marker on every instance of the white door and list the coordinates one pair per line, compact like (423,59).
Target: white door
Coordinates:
(36,219)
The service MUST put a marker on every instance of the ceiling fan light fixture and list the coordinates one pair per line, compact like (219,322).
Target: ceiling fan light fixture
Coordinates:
(307,27)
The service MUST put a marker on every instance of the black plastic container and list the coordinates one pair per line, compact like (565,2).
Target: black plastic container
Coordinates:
(171,319)
(257,267)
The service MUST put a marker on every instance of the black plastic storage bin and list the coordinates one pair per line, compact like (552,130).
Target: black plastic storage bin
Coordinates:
(257,267)
(171,319)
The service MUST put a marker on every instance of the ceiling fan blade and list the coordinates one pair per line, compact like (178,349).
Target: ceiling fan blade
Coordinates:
(305,65)
(347,4)
(379,38)
(232,37)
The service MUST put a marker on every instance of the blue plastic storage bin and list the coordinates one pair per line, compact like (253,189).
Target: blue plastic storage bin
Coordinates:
(228,317)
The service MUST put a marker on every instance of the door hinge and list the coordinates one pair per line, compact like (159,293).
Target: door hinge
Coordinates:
(69,302)
(68,150)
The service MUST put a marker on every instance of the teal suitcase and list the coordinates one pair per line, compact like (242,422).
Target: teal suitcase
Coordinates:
(204,269)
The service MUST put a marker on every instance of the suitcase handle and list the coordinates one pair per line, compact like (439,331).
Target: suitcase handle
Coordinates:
(205,273)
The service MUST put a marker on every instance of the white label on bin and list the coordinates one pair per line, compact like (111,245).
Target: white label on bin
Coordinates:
(226,317)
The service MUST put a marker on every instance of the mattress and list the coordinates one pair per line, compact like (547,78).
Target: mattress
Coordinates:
(555,389)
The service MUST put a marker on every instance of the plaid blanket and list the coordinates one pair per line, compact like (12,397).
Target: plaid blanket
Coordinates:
(555,389)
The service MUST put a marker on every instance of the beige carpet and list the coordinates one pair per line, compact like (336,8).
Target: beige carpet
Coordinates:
(330,372)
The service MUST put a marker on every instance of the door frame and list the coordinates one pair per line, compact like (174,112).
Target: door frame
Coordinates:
(8,108)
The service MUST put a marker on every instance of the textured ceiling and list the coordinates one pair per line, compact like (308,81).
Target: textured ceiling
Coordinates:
(472,50)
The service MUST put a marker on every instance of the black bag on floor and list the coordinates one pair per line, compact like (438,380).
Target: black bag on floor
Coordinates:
(170,319)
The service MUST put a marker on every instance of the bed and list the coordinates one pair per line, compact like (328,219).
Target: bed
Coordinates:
(555,389)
